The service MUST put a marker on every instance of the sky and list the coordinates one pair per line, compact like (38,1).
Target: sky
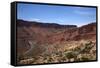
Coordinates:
(64,15)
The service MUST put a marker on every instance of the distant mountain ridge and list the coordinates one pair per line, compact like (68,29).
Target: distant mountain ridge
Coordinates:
(40,24)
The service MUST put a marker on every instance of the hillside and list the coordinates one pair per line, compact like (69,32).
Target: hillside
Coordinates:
(36,38)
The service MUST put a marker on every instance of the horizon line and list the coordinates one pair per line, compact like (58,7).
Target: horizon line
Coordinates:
(55,22)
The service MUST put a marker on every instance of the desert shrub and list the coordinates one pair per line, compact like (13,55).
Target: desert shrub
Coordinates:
(77,49)
(85,57)
(87,48)
(27,61)
(70,54)
(49,60)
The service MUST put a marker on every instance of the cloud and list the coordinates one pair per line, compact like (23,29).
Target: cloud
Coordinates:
(80,12)
(34,19)
(85,11)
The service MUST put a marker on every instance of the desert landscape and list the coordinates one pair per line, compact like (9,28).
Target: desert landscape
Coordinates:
(39,43)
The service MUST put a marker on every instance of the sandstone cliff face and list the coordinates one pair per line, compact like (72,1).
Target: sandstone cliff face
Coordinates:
(45,33)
